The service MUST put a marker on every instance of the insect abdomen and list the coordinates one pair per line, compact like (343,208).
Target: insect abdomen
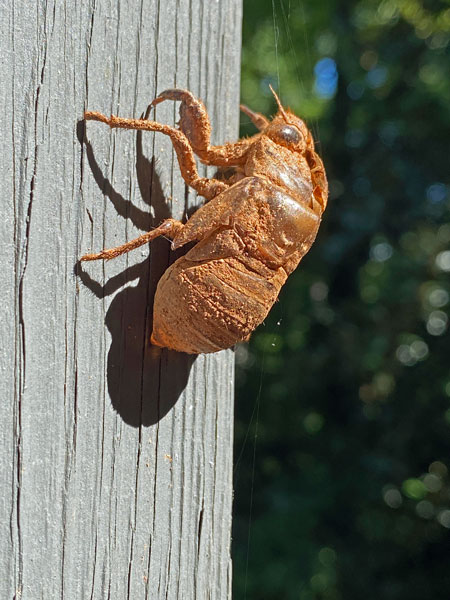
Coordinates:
(208,305)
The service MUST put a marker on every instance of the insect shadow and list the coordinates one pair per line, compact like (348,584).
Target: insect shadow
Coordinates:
(144,382)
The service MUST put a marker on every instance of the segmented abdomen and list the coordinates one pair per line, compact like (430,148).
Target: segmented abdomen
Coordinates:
(209,305)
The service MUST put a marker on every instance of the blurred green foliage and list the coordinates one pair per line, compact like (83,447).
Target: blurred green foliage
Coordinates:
(348,381)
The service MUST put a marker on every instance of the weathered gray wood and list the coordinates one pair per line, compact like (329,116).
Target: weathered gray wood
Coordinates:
(115,460)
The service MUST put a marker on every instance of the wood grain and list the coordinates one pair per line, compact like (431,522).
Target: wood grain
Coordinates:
(115,459)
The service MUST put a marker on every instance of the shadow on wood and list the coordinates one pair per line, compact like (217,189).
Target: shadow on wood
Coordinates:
(144,382)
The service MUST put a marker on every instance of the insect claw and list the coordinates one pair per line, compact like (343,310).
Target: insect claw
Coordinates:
(91,115)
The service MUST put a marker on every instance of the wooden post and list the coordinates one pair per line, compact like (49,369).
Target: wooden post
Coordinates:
(115,459)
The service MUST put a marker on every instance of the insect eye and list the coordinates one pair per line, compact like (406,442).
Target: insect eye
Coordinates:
(289,134)
(286,135)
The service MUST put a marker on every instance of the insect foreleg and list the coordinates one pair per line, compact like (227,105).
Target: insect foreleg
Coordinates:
(168,228)
(195,124)
(208,188)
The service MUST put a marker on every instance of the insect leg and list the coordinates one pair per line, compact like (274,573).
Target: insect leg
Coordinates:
(168,228)
(257,119)
(195,124)
(208,188)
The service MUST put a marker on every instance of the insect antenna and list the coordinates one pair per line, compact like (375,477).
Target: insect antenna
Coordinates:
(280,106)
